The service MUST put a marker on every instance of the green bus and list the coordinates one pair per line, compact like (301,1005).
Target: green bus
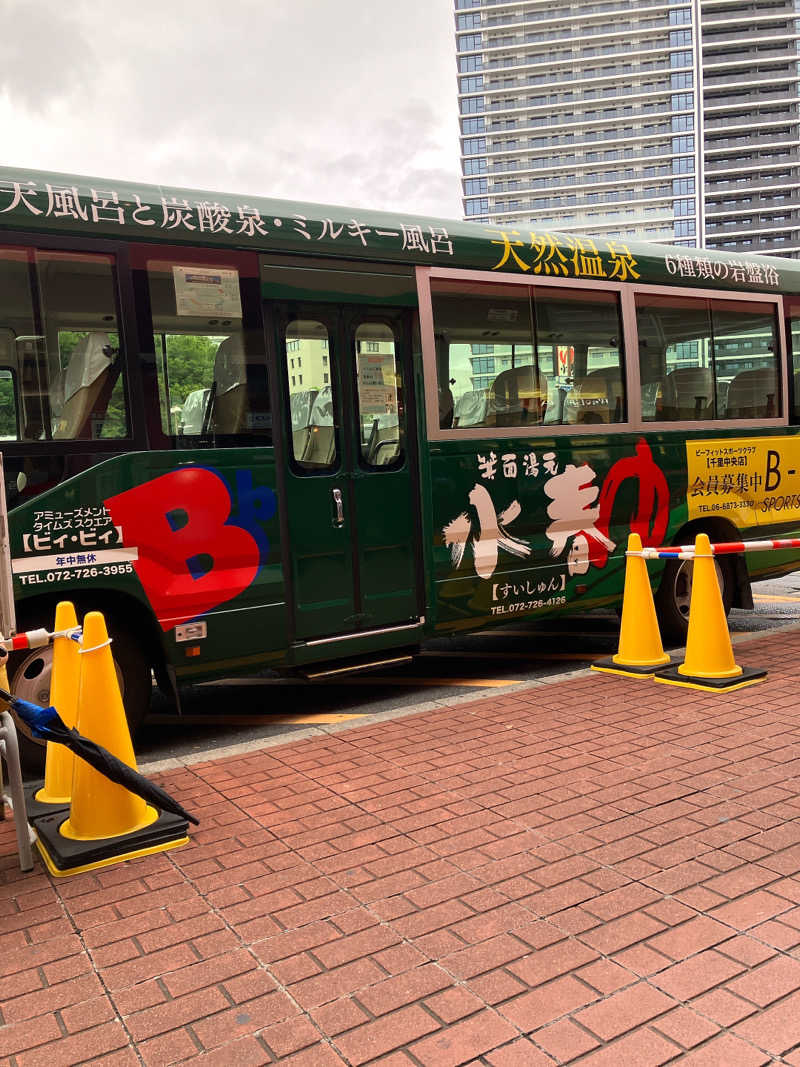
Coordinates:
(261,434)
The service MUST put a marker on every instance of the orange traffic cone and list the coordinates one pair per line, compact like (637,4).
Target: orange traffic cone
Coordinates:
(64,681)
(107,823)
(709,662)
(641,652)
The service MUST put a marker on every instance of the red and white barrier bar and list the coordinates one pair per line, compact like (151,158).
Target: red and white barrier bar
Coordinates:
(36,638)
(723,548)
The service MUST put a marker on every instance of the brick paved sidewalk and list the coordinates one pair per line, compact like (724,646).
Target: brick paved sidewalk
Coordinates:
(597,870)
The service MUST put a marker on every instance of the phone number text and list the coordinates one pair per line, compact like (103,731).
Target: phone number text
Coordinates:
(75,574)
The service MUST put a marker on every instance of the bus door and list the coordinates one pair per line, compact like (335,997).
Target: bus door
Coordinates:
(350,482)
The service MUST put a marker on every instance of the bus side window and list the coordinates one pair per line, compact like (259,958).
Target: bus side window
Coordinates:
(485,356)
(212,371)
(58,312)
(703,359)
(527,355)
(793,307)
(9,417)
(380,396)
(9,406)
(746,358)
(312,406)
(578,335)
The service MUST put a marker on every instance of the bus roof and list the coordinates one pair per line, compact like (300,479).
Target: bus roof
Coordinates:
(103,207)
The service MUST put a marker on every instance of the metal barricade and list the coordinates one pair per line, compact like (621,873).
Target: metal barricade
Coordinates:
(9,748)
(15,798)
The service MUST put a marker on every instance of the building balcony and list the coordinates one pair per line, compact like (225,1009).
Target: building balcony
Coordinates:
(711,17)
(617,191)
(522,160)
(750,165)
(622,12)
(526,117)
(744,183)
(763,225)
(763,207)
(748,76)
(752,121)
(746,35)
(718,62)
(565,76)
(725,144)
(784,244)
(714,103)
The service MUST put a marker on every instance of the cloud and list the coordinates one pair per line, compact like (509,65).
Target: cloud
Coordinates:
(337,103)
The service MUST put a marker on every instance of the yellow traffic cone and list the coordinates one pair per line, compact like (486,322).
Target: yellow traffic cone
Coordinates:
(709,662)
(641,652)
(4,705)
(100,808)
(64,681)
(107,823)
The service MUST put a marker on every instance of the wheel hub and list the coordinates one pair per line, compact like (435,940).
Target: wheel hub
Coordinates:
(683,585)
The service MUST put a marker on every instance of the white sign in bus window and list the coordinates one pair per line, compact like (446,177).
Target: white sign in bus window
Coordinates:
(377,384)
(207,291)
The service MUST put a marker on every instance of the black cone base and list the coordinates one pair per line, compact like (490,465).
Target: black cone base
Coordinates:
(645,671)
(749,676)
(65,856)
(36,808)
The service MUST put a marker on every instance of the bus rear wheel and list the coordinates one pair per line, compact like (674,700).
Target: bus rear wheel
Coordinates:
(674,594)
(29,678)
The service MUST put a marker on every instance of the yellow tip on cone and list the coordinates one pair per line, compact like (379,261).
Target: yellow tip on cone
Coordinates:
(64,681)
(100,808)
(709,653)
(640,650)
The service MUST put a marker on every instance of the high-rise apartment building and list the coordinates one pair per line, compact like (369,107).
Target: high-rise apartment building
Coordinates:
(664,120)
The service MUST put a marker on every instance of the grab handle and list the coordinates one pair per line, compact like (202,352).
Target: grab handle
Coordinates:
(337,499)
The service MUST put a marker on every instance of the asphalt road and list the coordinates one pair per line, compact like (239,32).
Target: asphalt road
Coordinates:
(242,710)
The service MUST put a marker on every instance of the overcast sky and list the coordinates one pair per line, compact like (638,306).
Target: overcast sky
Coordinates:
(337,101)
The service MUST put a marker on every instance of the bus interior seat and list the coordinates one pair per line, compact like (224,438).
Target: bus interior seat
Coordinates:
(688,394)
(471,408)
(596,397)
(753,394)
(84,382)
(586,402)
(615,390)
(386,452)
(519,396)
(554,405)
(229,405)
(193,412)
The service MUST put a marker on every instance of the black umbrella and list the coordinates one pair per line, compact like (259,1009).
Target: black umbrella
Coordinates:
(47,724)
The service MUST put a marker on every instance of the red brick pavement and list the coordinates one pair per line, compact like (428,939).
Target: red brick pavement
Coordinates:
(594,871)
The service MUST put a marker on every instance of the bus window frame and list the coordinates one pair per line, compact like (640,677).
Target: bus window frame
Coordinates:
(399,460)
(299,312)
(630,347)
(247,265)
(725,296)
(129,343)
(791,313)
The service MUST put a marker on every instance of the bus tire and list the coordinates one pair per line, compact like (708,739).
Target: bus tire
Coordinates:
(673,596)
(29,678)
